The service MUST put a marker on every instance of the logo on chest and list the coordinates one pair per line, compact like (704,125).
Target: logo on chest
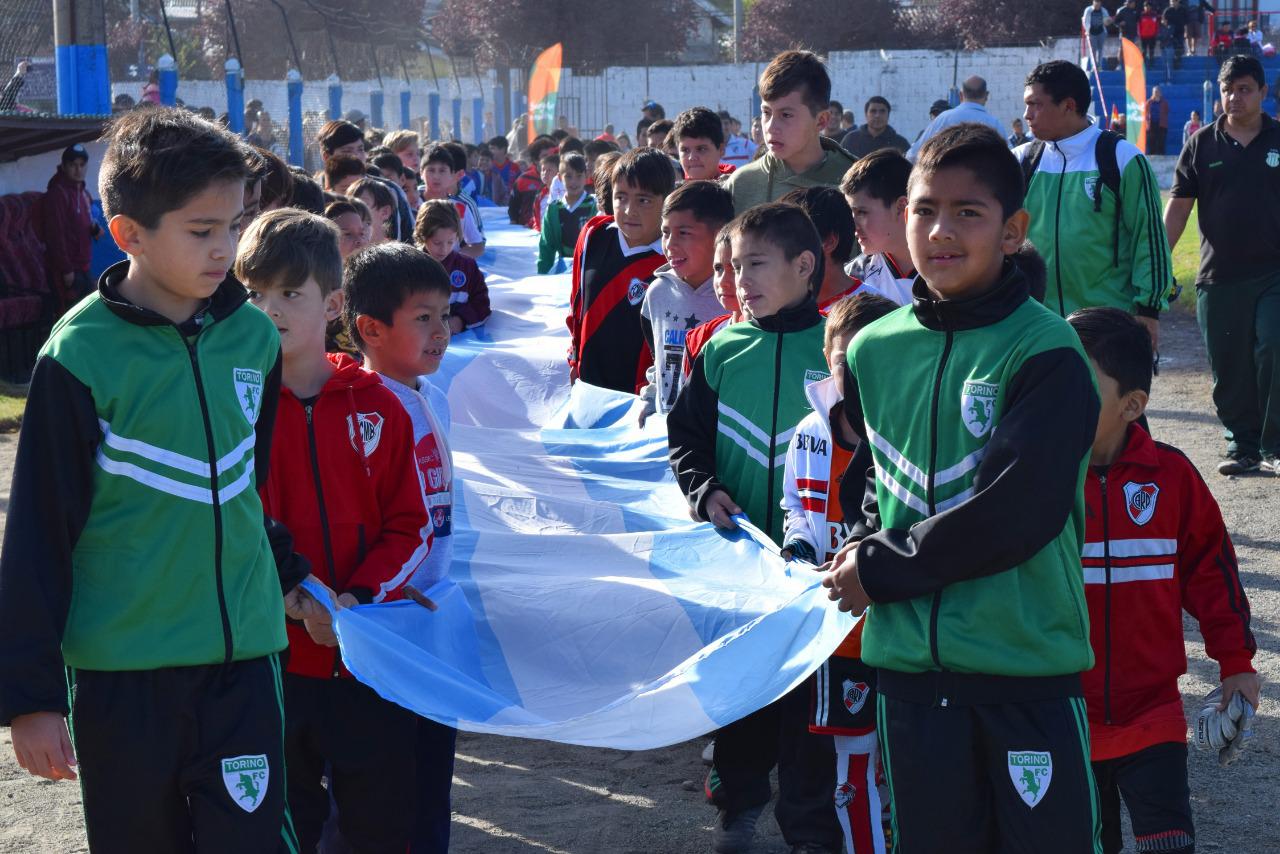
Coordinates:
(635,292)
(978,407)
(370,432)
(812,444)
(1273,158)
(1140,501)
(248,383)
(458,279)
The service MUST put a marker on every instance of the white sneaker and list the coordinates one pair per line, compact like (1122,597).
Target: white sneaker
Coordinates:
(709,753)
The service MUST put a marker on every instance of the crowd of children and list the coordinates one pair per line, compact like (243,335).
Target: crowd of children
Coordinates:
(965,468)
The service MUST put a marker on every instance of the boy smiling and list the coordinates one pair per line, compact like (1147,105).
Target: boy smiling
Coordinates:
(978,641)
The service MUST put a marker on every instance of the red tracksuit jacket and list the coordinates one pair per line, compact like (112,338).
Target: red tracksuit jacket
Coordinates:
(1155,544)
(350,497)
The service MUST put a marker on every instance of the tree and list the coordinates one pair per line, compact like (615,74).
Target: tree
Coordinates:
(974,24)
(822,25)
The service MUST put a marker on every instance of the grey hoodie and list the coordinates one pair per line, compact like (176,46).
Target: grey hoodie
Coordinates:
(670,309)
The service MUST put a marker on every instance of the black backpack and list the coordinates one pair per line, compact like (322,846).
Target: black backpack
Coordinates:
(1104,152)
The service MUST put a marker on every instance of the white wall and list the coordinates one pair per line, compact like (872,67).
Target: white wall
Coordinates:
(33,173)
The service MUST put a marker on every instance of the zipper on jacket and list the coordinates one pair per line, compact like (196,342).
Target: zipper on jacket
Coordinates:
(1106,608)
(1057,223)
(773,435)
(324,516)
(936,607)
(217,505)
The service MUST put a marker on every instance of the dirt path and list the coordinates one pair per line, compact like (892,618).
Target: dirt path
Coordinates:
(521,796)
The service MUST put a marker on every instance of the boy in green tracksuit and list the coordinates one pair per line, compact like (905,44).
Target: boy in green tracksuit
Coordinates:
(729,432)
(136,556)
(565,217)
(979,408)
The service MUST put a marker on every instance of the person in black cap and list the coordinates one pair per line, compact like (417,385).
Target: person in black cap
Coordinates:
(651,112)
(69,228)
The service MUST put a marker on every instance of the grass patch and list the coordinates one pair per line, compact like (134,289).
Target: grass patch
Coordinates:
(12,401)
(1186,258)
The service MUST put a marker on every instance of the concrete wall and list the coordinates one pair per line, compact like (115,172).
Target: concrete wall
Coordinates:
(33,173)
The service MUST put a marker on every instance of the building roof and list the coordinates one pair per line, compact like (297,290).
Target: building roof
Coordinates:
(23,134)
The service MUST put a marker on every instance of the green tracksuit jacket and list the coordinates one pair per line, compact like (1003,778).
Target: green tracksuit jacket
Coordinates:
(1089,263)
(136,539)
(980,414)
(732,423)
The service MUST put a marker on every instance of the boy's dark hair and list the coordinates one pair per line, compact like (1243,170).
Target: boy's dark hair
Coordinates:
(602,180)
(437,152)
(709,203)
(378,280)
(853,314)
(699,123)
(597,147)
(387,161)
(337,133)
(797,71)
(646,168)
(483,151)
(574,162)
(572,145)
(1239,66)
(342,166)
(307,193)
(382,197)
(979,149)
(882,174)
(498,142)
(559,135)
(1033,269)
(277,180)
(159,158)
(831,216)
(877,99)
(459,153)
(406,172)
(343,205)
(538,147)
(552,159)
(662,126)
(283,248)
(789,228)
(1118,343)
(1061,80)
(433,216)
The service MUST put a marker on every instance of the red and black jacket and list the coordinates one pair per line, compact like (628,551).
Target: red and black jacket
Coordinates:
(609,280)
(1155,545)
(342,480)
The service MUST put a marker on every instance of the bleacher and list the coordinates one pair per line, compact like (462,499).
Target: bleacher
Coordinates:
(1182,87)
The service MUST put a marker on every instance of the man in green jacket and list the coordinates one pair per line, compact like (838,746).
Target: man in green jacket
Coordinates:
(1104,245)
(795,96)
(979,409)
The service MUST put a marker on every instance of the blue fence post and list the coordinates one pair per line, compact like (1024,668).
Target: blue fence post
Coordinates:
(297,152)
(456,104)
(335,97)
(168,80)
(235,96)
(477,119)
(375,108)
(433,113)
(500,108)
(404,109)
(519,104)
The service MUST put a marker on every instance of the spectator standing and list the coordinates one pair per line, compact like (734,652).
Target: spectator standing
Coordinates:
(1255,39)
(1019,135)
(68,228)
(833,129)
(1149,30)
(1189,129)
(9,95)
(1175,17)
(1228,169)
(877,133)
(651,112)
(1156,117)
(1094,23)
(1195,24)
(1126,21)
(972,108)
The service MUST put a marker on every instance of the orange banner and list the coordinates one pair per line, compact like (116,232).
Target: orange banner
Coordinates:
(1135,90)
(544,84)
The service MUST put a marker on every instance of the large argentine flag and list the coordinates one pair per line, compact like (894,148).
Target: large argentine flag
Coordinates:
(584,607)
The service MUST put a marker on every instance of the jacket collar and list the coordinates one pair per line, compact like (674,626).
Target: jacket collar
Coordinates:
(830,147)
(1079,143)
(1139,450)
(229,296)
(823,394)
(802,316)
(986,309)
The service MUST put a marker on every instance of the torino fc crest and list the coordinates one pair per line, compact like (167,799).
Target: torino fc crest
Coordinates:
(978,407)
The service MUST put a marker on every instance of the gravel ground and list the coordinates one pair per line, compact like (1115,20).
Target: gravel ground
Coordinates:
(522,796)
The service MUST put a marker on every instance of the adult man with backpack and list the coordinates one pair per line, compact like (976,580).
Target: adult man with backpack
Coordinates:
(1094,203)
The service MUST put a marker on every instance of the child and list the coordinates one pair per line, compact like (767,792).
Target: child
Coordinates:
(440,177)
(354,222)
(876,189)
(816,529)
(436,233)
(397,310)
(681,295)
(728,426)
(656,134)
(341,171)
(548,171)
(565,217)
(405,145)
(830,214)
(977,624)
(700,145)
(528,186)
(722,279)
(795,92)
(137,593)
(381,204)
(342,446)
(611,273)
(484,174)
(1155,545)
(593,150)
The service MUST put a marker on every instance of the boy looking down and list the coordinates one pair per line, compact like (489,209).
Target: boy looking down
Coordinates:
(979,642)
